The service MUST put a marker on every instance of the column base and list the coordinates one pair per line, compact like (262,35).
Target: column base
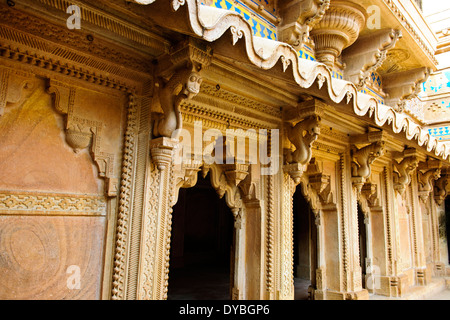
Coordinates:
(423,276)
(392,286)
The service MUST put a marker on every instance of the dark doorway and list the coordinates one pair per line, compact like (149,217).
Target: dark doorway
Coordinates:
(305,247)
(202,236)
(362,246)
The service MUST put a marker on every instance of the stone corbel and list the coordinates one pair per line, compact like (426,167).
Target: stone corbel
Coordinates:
(338,29)
(179,79)
(12,86)
(440,188)
(367,55)
(320,182)
(306,130)
(362,158)
(404,168)
(298,17)
(370,192)
(427,172)
(162,152)
(248,186)
(403,86)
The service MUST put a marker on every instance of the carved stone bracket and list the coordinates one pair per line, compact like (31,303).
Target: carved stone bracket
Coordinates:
(179,75)
(248,186)
(362,158)
(320,182)
(338,29)
(235,173)
(295,171)
(404,168)
(370,193)
(304,132)
(298,18)
(403,86)
(161,150)
(367,55)
(426,173)
(440,188)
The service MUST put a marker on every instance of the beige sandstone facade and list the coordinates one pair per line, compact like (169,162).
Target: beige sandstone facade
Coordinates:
(352,199)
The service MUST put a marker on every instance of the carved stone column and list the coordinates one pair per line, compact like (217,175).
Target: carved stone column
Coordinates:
(338,29)
(428,172)
(300,136)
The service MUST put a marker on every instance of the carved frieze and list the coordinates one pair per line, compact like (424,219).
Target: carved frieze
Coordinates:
(51,204)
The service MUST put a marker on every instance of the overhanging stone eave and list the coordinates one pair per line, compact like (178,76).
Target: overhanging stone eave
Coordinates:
(267,53)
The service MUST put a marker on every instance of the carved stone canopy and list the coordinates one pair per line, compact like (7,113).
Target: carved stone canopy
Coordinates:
(338,29)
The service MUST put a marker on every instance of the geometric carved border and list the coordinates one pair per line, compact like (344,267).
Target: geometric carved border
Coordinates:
(51,204)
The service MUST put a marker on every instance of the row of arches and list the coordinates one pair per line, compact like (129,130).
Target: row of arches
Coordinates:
(202,245)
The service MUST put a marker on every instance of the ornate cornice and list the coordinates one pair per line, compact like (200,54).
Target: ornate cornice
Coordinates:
(395,10)
(109,22)
(211,24)
(31,41)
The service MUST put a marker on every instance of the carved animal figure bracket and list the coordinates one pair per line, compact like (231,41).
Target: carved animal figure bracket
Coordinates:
(184,84)
(302,135)
(402,177)
(440,189)
(364,157)
(425,180)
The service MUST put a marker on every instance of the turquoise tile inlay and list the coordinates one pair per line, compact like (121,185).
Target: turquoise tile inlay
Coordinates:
(261,27)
